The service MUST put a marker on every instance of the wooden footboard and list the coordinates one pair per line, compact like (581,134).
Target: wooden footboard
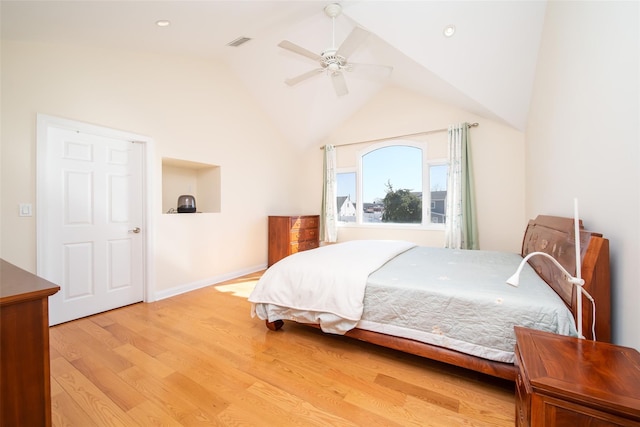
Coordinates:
(433,352)
(441,354)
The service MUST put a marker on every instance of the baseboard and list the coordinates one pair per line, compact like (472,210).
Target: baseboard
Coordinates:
(188,287)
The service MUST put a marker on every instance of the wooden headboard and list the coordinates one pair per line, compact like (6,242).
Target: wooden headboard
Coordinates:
(556,236)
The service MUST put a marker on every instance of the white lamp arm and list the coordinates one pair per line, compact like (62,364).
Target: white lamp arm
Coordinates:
(515,279)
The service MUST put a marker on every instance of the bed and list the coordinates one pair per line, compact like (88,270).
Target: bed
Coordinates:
(452,306)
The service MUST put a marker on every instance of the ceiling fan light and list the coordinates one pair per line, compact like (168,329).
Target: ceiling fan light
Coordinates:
(333,10)
(334,60)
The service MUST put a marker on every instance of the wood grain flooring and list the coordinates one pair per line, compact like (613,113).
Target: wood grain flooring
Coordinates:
(199,359)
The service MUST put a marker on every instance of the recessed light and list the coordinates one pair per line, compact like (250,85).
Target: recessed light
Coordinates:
(163,23)
(449,30)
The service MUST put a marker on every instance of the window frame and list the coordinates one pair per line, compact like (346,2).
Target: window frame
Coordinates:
(436,162)
(426,201)
(345,171)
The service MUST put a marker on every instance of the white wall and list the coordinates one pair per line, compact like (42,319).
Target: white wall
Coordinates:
(583,137)
(498,161)
(193,109)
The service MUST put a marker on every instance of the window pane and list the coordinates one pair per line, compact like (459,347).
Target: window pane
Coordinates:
(438,184)
(392,185)
(346,200)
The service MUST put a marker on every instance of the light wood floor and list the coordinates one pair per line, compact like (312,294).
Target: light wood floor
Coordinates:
(200,359)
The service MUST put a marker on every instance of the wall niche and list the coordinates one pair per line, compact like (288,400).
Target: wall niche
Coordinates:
(201,180)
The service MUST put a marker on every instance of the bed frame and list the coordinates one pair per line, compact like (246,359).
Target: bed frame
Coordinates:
(555,236)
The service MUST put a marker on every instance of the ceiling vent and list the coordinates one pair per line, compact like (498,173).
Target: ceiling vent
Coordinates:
(237,42)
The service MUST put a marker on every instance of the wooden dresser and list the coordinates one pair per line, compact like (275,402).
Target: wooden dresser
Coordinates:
(564,381)
(25,388)
(291,234)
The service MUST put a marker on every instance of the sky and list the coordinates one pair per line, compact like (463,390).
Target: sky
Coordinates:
(400,164)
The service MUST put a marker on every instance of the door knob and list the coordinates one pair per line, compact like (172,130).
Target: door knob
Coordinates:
(135,230)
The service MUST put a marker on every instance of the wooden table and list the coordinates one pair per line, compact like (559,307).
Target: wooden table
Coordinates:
(25,388)
(565,381)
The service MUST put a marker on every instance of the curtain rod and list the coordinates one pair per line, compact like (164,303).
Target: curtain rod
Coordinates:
(471,125)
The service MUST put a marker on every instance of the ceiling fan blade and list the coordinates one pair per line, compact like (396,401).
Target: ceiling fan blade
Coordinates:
(350,44)
(285,44)
(339,83)
(295,80)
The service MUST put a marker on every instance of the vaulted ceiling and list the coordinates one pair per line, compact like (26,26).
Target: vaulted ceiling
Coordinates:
(487,67)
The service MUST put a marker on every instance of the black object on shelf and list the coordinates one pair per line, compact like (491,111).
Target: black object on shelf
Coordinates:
(186,204)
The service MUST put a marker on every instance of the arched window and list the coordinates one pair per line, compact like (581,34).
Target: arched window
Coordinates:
(388,186)
(392,185)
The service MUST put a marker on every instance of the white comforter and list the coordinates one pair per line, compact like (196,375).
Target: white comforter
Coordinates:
(328,282)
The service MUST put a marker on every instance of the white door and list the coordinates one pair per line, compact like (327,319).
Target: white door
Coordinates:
(90,204)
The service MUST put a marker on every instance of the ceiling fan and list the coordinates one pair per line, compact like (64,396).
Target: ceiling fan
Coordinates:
(332,60)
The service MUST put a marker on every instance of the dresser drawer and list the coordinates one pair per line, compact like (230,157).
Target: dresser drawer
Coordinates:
(304,222)
(303,246)
(302,234)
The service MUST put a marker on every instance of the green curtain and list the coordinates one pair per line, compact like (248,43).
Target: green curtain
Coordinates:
(329,213)
(461,229)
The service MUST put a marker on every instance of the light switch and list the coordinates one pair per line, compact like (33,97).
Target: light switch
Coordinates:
(25,209)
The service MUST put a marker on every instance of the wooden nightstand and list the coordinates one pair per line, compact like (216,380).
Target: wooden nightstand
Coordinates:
(291,234)
(564,381)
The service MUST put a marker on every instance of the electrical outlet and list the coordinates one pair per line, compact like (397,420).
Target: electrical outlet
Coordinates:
(25,209)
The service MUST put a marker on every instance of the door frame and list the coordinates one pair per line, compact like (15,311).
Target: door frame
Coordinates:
(44,122)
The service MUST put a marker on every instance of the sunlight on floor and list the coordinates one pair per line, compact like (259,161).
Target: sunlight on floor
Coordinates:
(241,289)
